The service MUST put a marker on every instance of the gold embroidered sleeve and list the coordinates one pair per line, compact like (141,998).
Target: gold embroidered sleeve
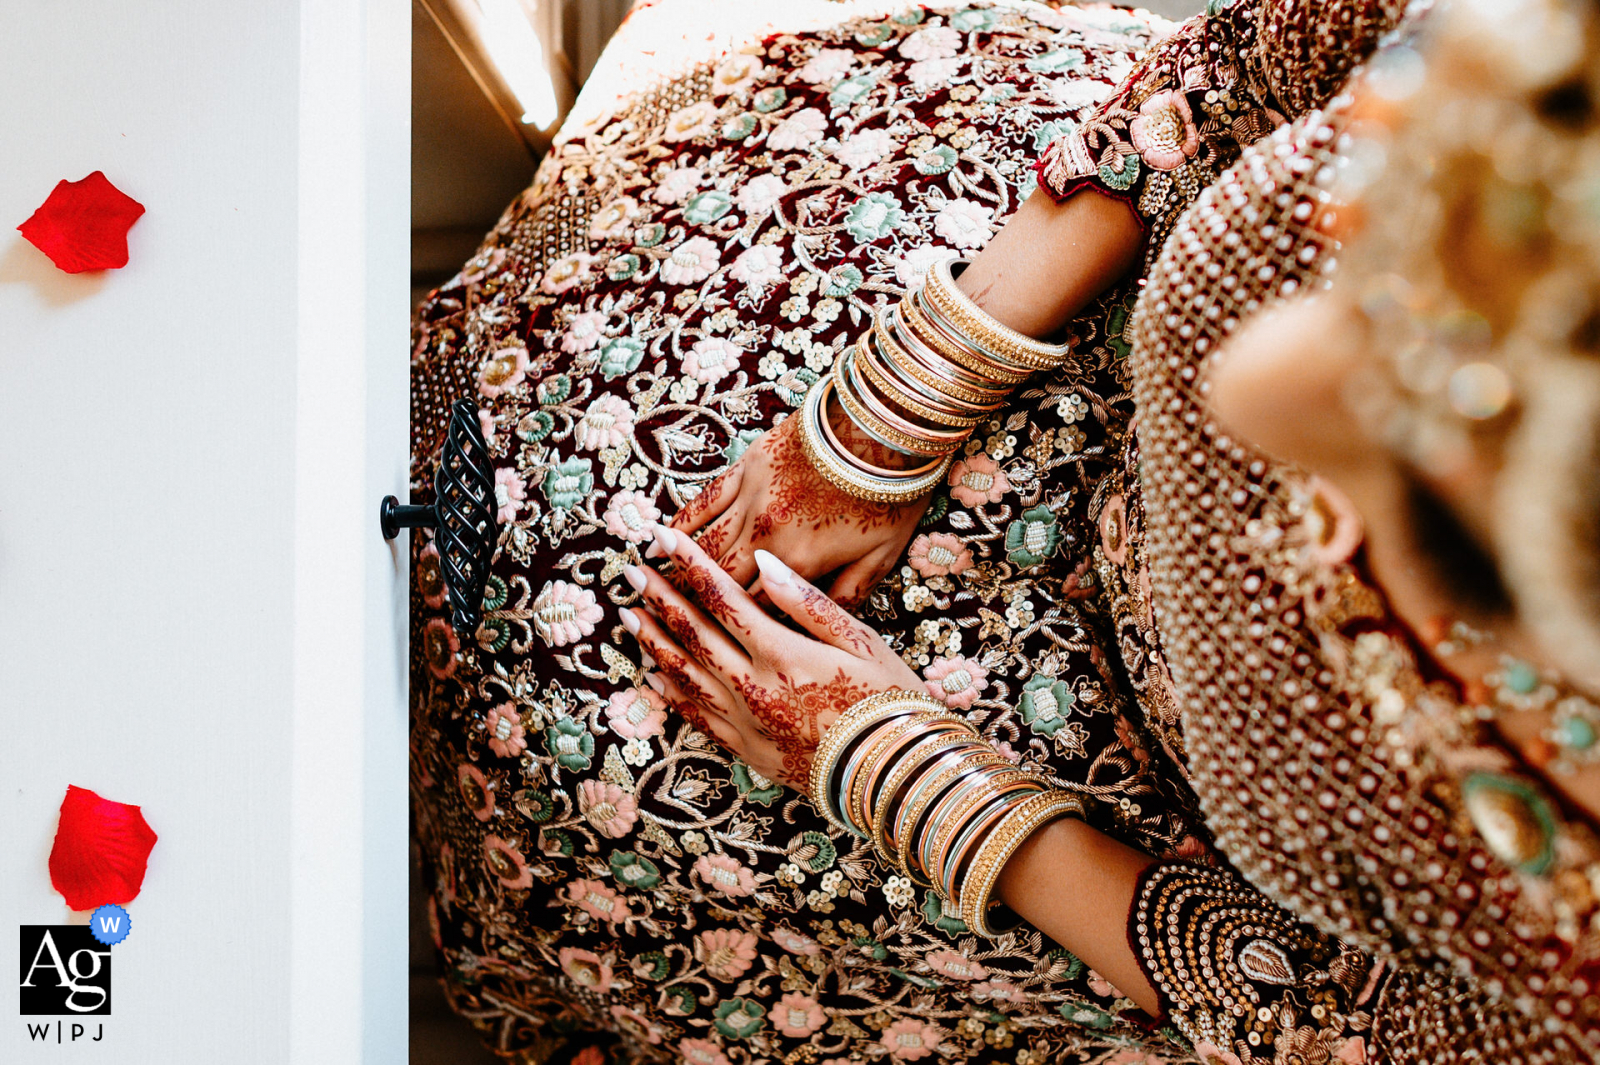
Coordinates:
(1245,980)
(1221,82)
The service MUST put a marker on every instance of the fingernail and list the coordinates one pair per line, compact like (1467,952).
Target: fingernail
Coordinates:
(666,540)
(647,661)
(635,577)
(630,621)
(773,571)
(655,684)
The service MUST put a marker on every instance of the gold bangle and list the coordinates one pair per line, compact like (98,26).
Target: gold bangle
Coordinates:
(873,489)
(882,431)
(947,342)
(886,328)
(929,748)
(838,736)
(997,850)
(875,374)
(906,822)
(997,781)
(939,288)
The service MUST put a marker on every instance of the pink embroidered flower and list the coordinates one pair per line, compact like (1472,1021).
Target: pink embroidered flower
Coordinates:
(1164,133)
(955,966)
(630,516)
(696,120)
(828,64)
(615,219)
(636,1024)
(1133,1057)
(800,130)
(509,494)
(631,716)
(998,991)
(565,613)
(736,72)
(978,480)
(598,901)
(701,1052)
(607,807)
(956,681)
(505,731)
(576,269)
(677,185)
(506,863)
(964,223)
(473,787)
(607,423)
(724,874)
(587,330)
(865,148)
(690,262)
(710,360)
(486,426)
(909,1039)
(727,953)
(760,265)
(797,1015)
(1008,752)
(1211,1054)
(933,73)
(503,370)
(430,576)
(1101,986)
(586,969)
(439,648)
(1353,1052)
(759,195)
(936,554)
(795,942)
(911,267)
(933,42)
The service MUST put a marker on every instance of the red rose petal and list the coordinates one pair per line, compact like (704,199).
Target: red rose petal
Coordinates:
(100,851)
(84,225)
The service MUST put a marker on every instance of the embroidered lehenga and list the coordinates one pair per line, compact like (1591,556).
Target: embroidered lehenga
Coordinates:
(688,259)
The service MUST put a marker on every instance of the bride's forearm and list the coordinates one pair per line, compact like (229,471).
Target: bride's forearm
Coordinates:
(1076,885)
(1051,259)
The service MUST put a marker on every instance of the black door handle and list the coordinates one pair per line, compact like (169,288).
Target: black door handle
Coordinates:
(462,516)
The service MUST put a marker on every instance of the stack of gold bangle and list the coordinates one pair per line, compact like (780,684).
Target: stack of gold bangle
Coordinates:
(928,372)
(938,801)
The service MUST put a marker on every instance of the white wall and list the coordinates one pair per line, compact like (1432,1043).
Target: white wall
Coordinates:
(196,613)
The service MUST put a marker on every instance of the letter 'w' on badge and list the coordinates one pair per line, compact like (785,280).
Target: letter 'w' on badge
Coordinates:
(110,924)
(65,971)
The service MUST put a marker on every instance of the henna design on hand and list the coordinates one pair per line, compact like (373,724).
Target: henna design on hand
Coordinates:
(797,494)
(831,616)
(701,585)
(701,502)
(792,716)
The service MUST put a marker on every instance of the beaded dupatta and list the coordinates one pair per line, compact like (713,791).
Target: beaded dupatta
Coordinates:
(1385,827)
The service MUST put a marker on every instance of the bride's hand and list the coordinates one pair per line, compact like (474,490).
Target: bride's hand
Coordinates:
(775,500)
(761,689)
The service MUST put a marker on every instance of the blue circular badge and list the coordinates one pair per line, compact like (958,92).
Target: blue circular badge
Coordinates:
(110,924)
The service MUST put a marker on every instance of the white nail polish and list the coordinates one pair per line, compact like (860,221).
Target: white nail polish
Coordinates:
(630,621)
(666,539)
(655,684)
(634,576)
(646,661)
(773,571)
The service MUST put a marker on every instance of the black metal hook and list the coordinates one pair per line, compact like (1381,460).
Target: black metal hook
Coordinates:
(462,515)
